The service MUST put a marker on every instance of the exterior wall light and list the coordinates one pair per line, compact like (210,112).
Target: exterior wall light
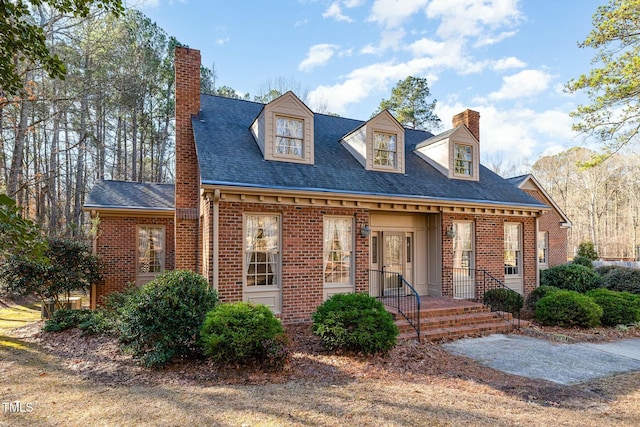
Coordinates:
(451,231)
(365,230)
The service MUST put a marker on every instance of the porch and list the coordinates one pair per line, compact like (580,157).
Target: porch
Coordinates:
(433,318)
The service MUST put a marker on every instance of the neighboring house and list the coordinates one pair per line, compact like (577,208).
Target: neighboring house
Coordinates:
(553,225)
(277,205)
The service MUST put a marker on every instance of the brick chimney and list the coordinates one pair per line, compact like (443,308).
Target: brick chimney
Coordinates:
(469,118)
(187,69)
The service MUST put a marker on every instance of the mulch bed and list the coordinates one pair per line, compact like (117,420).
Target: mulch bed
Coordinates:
(98,358)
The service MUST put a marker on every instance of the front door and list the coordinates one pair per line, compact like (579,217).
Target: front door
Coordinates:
(393,260)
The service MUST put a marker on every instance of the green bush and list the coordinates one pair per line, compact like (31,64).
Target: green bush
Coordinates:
(621,279)
(618,308)
(539,293)
(63,318)
(501,299)
(163,320)
(244,333)
(572,277)
(582,260)
(568,308)
(106,318)
(355,322)
(587,250)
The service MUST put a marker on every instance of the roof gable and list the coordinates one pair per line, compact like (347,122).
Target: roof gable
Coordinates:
(439,151)
(529,182)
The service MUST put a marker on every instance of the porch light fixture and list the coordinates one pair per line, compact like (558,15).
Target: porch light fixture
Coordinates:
(365,231)
(451,231)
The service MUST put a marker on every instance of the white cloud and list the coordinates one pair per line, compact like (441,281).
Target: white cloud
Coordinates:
(507,63)
(392,13)
(334,11)
(353,3)
(223,40)
(524,84)
(318,55)
(362,82)
(301,22)
(474,18)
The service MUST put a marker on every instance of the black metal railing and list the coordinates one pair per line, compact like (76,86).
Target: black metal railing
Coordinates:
(395,292)
(472,284)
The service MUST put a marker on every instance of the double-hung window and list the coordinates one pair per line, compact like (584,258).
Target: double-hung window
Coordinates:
(543,249)
(385,149)
(262,250)
(463,159)
(512,249)
(338,250)
(289,136)
(151,253)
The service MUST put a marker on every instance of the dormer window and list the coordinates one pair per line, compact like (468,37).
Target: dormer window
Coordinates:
(463,158)
(284,130)
(289,136)
(378,144)
(385,149)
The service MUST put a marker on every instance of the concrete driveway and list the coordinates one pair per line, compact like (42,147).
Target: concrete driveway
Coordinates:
(558,362)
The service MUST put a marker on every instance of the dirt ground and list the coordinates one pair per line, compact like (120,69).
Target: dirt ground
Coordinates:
(414,384)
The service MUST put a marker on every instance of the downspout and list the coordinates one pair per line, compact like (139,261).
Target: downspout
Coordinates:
(216,245)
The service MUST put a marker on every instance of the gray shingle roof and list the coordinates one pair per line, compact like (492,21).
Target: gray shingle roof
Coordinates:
(229,155)
(131,195)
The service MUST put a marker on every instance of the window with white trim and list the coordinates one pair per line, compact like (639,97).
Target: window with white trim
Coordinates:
(338,249)
(543,248)
(261,250)
(151,253)
(463,159)
(385,149)
(463,257)
(289,136)
(512,249)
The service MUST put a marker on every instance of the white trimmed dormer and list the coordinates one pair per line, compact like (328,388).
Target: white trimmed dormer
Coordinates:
(284,130)
(456,152)
(378,144)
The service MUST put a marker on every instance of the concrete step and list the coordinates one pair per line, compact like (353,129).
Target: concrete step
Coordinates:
(460,331)
(429,323)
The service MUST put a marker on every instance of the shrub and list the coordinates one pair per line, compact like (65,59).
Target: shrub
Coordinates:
(618,308)
(63,318)
(502,299)
(582,260)
(244,333)
(162,320)
(587,250)
(539,293)
(568,308)
(573,277)
(621,279)
(355,322)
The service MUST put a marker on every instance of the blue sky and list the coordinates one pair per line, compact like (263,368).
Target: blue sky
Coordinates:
(507,59)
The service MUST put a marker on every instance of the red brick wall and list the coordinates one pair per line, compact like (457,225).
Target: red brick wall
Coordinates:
(489,247)
(471,119)
(116,247)
(550,221)
(187,69)
(301,251)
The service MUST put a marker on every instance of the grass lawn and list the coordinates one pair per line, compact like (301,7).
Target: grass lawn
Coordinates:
(62,390)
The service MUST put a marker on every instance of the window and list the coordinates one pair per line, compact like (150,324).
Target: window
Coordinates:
(338,244)
(262,250)
(384,149)
(512,251)
(463,159)
(543,245)
(289,136)
(150,251)
(463,245)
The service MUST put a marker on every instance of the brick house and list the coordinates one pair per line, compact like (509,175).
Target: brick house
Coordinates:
(278,205)
(553,225)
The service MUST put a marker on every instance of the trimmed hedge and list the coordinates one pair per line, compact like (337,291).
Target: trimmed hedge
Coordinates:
(572,277)
(568,308)
(538,293)
(618,308)
(501,299)
(356,322)
(162,320)
(243,333)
